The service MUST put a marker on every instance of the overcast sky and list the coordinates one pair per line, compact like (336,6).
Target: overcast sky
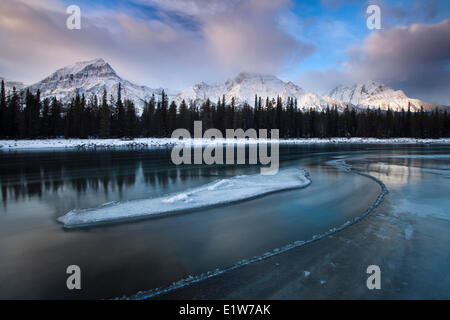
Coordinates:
(176,43)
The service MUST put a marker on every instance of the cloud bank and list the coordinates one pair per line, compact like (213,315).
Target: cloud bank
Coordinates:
(176,43)
(415,58)
(181,43)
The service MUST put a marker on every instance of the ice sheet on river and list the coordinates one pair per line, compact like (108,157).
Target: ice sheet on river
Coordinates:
(423,156)
(219,192)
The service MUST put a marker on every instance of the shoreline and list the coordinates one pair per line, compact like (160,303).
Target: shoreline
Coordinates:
(148,143)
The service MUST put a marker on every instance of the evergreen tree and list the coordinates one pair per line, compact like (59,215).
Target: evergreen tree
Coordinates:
(408,122)
(3,110)
(147,119)
(233,114)
(256,113)
(172,118)
(32,114)
(205,114)
(45,121)
(56,127)
(16,124)
(120,116)
(81,118)
(131,119)
(105,118)
(184,117)
(161,116)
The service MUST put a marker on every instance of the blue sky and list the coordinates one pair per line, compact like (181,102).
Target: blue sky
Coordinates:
(333,28)
(175,43)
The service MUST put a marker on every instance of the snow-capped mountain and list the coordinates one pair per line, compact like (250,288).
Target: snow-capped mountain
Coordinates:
(245,86)
(377,95)
(91,78)
(9,85)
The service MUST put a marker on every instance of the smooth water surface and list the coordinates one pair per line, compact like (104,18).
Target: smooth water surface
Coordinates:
(121,259)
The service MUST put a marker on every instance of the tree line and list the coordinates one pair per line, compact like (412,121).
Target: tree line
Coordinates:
(26,116)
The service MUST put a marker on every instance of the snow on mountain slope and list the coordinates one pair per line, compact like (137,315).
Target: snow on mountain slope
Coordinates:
(376,95)
(246,85)
(9,85)
(91,78)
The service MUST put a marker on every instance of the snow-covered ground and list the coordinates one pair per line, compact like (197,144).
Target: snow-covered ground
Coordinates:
(168,142)
(215,193)
(84,143)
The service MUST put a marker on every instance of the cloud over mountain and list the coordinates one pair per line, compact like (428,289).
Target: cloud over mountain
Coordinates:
(415,58)
(180,42)
(174,43)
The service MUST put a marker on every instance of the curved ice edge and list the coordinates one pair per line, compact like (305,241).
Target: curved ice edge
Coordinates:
(192,199)
(341,164)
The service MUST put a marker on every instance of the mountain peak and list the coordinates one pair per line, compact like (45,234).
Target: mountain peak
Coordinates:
(367,85)
(374,94)
(91,77)
(255,77)
(97,61)
(96,65)
(246,86)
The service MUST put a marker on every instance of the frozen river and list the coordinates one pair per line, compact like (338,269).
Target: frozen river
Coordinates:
(249,218)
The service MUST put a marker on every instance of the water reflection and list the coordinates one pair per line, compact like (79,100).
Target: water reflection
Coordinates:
(125,258)
(403,170)
(32,175)
(394,175)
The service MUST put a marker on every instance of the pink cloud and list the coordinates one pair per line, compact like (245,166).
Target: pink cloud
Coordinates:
(231,36)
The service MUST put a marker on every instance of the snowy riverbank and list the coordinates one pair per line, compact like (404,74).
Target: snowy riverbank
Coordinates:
(168,142)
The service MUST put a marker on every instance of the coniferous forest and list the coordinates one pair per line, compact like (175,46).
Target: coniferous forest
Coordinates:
(25,116)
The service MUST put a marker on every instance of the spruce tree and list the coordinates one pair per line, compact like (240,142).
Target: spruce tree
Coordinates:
(161,116)
(131,119)
(3,110)
(16,124)
(105,118)
(148,118)
(184,119)
(120,123)
(56,127)
(45,121)
(172,118)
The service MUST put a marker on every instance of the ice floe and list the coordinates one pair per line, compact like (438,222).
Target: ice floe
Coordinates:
(219,192)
